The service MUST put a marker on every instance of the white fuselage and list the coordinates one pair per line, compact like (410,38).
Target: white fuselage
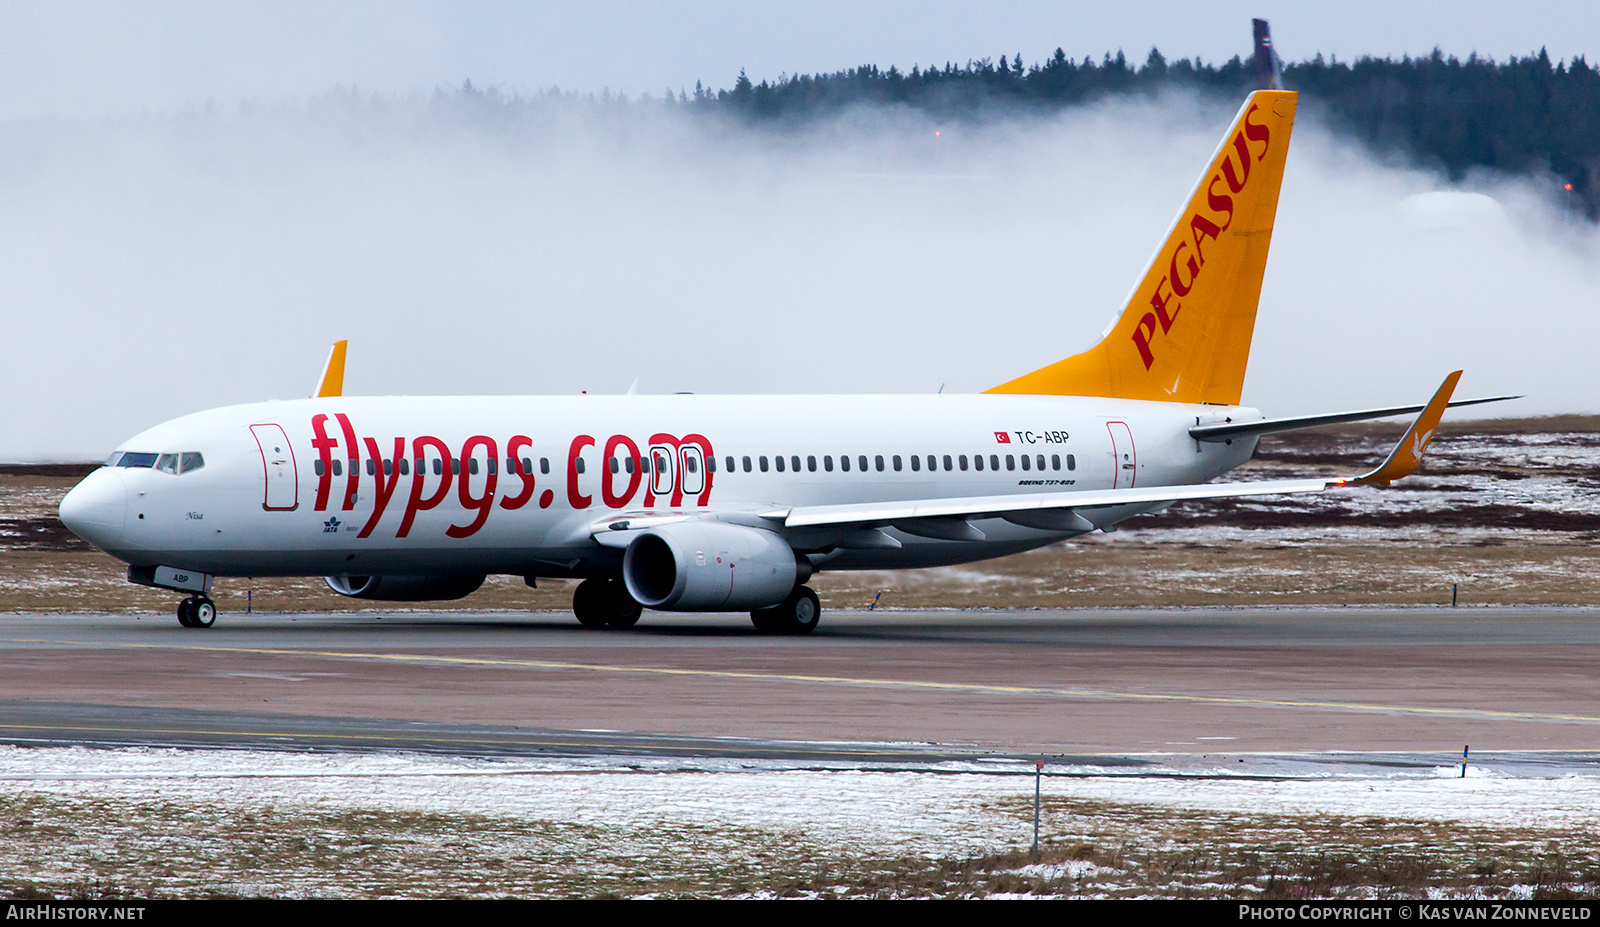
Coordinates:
(332,486)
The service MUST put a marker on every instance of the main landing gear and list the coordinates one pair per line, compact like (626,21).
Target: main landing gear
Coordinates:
(197,611)
(798,614)
(605,603)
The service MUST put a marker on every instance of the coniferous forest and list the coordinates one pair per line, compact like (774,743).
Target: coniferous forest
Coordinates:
(1524,115)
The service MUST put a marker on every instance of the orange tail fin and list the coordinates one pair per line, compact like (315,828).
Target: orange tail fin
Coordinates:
(1185,333)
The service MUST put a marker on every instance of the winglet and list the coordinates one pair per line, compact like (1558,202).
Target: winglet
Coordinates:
(332,382)
(1407,454)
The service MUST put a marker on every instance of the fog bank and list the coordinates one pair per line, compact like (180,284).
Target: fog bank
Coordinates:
(467,245)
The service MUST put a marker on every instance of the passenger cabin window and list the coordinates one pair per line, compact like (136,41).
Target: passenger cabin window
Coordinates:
(579,465)
(916,462)
(1024,461)
(1011,462)
(896,462)
(544,465)
(977,461)
(827,462)
(763,463)
(811,463)
(1055,461)
(878,460)
(338,467)
(404,465)
(963,461)
(844,463)
(747,464)
(779,462)
(994,461)
(731,467)
(948,465)
(862,460)
(794,463)
(1040,459)
(1072,462)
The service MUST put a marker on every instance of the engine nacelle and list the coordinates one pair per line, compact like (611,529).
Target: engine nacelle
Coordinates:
(708,566)
(404,588)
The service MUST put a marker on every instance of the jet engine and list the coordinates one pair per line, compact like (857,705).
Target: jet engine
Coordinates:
(708,566)
(404,588)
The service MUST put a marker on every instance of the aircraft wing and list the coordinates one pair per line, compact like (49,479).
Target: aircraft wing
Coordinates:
(1402,461)
(951,518)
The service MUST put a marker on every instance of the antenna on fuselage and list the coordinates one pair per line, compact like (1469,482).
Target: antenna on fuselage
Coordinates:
(332,381)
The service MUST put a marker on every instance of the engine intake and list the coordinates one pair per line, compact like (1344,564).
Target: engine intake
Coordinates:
(404,588)
(707,566)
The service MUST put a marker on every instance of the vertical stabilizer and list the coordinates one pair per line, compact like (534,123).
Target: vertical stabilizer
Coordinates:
(1185,333)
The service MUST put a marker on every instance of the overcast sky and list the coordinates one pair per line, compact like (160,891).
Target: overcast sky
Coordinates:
(90,56)
(181,259)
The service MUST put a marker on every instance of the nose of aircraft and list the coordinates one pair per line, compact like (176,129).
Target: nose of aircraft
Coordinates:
(96,508)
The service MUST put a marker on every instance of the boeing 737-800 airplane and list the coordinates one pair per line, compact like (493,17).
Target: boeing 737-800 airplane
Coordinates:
(731,503)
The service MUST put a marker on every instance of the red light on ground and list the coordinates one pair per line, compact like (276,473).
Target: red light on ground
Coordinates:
(1568,186)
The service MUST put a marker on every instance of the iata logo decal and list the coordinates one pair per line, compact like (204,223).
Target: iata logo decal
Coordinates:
(670,471)
(1188,258)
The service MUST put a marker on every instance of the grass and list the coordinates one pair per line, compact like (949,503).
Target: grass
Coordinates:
(101,847)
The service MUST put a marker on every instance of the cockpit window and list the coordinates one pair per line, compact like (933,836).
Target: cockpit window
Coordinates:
(181,462)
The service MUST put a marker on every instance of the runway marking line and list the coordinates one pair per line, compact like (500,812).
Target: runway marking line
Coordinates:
(863,682)
(619,748)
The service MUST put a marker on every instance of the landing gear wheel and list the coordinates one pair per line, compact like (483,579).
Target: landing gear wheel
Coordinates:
(766,620)
(605,603)
(588,603)
(798,614)
(203,614)
(621,611)
(197,611)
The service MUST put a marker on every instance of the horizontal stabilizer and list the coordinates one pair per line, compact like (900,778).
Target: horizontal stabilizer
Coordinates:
(1227,431)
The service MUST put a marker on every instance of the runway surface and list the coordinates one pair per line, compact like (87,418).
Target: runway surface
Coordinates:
(1401,686)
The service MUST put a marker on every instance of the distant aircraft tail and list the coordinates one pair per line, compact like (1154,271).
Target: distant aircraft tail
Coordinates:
(1185,333)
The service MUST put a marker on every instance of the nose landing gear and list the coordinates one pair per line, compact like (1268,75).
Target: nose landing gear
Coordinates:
(197,611)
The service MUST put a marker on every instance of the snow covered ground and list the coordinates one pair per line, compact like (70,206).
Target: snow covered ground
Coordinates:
(167,821)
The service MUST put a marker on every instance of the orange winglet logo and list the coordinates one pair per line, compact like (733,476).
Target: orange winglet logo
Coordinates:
(1407,453)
